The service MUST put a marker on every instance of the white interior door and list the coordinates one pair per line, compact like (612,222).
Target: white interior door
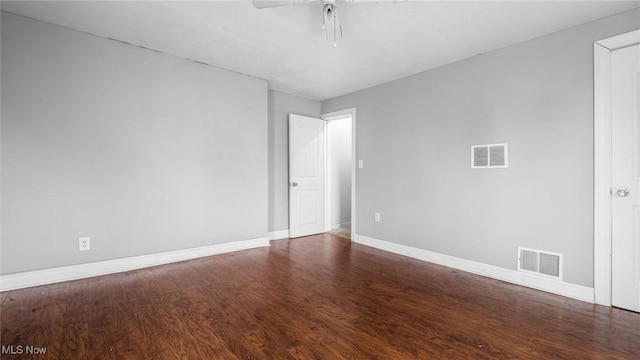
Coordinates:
(625,207)
(306,175)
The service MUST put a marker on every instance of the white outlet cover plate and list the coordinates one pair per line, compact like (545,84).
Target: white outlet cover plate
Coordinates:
(84,243)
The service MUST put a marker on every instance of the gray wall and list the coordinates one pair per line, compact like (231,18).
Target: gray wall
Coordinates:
(141,151)
(280,105)
(414,136)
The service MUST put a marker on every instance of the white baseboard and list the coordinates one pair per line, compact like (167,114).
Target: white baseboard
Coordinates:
(81,271)
(279,234)
(554,286)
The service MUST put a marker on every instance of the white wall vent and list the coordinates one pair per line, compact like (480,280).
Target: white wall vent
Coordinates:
(490,156)
(540,262)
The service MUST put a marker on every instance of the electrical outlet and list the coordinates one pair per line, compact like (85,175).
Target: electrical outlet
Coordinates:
(360,164)
(377,217)
(84,243)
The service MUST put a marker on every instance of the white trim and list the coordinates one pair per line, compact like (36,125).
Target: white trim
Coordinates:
(602,161)
(82,271)
(620,41)
(327,177)
(354,162)
(279,234)
(555,286)
(602,176)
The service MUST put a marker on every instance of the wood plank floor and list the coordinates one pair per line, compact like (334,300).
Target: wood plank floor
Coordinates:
(320,297)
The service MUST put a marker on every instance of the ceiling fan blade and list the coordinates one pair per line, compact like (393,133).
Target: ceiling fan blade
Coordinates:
(261,4)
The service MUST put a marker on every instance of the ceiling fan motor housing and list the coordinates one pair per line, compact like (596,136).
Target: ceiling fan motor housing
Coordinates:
(329,8)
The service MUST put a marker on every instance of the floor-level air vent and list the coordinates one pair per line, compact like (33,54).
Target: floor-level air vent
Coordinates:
(540,262)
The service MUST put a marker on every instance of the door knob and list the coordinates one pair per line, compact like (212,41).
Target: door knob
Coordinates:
(622,192)
(294,184)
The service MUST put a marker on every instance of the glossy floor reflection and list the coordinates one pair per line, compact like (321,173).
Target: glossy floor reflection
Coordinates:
(319,297)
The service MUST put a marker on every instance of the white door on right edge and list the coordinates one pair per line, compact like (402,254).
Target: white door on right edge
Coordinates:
(625,178)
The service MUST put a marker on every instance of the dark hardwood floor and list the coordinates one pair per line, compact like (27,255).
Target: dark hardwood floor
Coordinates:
(320,297)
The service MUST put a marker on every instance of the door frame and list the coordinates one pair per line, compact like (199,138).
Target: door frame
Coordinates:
(602,50)
(334,115)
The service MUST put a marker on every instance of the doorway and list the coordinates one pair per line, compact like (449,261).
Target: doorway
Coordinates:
(617,171)
(322,149)
(338,176)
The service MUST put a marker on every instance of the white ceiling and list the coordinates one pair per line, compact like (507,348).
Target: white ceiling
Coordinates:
(383,40)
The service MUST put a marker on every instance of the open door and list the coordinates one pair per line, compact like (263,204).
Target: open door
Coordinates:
(625,206)
(306,175)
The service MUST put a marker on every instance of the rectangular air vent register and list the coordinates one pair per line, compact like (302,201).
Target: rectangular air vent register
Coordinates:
(490,156)
(543,263)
